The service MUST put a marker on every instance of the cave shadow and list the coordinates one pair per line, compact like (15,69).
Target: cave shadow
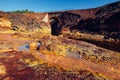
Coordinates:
(55,26)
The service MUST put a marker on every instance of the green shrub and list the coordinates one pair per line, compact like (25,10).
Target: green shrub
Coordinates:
(23,11)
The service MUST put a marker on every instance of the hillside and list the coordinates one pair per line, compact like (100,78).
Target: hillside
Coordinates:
(99,20)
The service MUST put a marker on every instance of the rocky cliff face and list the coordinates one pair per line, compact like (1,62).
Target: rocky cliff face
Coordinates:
(99,20)
(32,22)
(102,20)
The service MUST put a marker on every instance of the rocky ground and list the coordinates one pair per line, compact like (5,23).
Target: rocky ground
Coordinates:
(27,67)
(57,58)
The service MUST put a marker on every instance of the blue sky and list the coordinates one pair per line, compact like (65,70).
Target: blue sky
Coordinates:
(51,5)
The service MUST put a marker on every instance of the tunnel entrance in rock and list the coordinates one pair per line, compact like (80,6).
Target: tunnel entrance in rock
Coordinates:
(55,26)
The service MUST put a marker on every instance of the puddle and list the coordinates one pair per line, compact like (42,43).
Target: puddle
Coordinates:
(26,47)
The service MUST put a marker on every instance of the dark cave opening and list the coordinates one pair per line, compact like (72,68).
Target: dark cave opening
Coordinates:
(55,26)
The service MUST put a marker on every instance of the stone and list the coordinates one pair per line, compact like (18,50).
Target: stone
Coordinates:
(35,45)
(4,22)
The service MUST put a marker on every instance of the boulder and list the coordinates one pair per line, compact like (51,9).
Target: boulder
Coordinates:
(4,22)
(35,45)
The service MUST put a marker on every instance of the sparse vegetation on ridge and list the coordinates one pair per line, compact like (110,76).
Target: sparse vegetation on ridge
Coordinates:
(23,11)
